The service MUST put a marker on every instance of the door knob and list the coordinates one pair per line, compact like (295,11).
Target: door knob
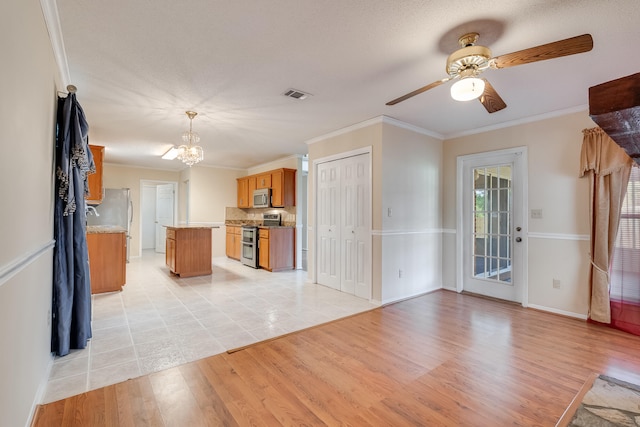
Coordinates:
(518,228)
(518,239)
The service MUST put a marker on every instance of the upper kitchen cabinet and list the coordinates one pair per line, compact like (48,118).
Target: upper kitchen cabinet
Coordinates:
(95,179)
(252,183)
(282,183)
(263,180)
(243,192)
(246,185)
(283,187)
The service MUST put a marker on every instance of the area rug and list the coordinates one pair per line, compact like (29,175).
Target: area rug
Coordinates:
(604,402)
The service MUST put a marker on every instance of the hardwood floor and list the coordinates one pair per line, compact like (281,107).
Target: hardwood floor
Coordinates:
(442,359)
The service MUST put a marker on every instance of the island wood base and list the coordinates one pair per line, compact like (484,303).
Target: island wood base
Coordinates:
(189,251)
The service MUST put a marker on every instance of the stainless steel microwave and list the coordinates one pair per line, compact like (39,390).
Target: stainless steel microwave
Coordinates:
(262,198)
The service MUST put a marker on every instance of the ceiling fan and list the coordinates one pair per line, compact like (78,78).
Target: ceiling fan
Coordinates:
(467,63)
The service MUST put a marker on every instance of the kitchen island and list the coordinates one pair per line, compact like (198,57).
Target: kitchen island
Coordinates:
(189,250)
(107,247)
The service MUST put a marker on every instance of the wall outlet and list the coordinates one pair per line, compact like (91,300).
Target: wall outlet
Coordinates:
(389,212)
(536,213)
(399,274)
(556,283)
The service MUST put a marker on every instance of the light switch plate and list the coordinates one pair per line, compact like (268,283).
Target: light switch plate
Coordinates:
(536,213)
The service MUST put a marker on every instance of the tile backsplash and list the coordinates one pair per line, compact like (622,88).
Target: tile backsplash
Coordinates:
(235,215)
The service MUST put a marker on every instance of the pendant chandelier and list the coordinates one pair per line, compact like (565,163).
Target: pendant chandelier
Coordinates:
(190,153)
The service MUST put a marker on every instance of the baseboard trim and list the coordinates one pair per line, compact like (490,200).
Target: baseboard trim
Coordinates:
(408,297)
(40,393)
(557,311)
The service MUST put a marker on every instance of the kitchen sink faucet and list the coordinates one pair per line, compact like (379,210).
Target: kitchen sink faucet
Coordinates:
(91,209)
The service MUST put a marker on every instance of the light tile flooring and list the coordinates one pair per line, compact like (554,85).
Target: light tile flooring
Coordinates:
(159,320)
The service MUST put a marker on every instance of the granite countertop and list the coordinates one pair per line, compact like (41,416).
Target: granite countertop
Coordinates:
(238,222)
(104,229)
(181,227)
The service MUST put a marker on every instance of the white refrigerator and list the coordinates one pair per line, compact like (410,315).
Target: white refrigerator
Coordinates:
(116,209)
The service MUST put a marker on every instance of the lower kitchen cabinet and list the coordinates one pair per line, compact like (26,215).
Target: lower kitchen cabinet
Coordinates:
(107,261)
(276,248)
(188,251)
(234,241)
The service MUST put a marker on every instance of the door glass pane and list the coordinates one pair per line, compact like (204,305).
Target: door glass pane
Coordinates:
(492,207)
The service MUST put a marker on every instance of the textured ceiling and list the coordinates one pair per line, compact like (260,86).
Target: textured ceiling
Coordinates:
(139,65)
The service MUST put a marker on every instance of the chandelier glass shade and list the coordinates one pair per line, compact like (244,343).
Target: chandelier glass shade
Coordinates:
(467,88)
(190,153)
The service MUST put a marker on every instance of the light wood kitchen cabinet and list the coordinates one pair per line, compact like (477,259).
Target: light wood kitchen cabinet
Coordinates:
(234,241)
(188,251)
(263,180)
(282,183)
(283,188)
(107,261)
(243,192)
(276,248)
(246,185)
(95,179)
(263,248)
(252,184)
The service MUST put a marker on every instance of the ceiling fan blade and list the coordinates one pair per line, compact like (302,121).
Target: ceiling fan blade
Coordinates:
(418,91)
(566,47)
(490,98)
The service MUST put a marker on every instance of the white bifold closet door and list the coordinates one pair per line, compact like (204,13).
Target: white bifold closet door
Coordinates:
(344,225)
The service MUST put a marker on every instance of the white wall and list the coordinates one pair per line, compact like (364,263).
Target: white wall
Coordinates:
(27,122)
(290,162)
(411,232)
(558,243)
(211,191)
(406,177)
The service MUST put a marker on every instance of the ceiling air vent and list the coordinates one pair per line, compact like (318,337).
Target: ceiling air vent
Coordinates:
(297,94)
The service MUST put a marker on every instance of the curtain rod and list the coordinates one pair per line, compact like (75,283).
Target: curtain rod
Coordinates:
(70,89)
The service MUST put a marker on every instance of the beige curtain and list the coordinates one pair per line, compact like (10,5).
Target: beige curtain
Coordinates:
(607,166)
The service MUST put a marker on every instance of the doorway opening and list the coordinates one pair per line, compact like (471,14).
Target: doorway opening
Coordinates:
(158,208)
(491,229)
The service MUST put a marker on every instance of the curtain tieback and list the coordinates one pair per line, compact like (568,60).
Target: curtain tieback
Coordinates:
(600,269)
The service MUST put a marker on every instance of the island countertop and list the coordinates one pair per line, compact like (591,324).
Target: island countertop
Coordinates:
(104,229)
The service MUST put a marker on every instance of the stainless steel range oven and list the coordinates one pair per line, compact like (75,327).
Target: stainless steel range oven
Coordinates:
(249,251)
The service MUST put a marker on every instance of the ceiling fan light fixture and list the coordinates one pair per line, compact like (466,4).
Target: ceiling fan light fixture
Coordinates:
(467,88)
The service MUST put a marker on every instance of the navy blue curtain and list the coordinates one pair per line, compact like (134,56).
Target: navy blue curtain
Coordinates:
(71,281)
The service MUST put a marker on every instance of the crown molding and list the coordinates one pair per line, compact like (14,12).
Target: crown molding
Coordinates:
(508,124)
(373,121)
(52,21)
(417,129)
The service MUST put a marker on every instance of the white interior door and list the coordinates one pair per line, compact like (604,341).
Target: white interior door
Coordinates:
(355,231)
(328,213)
(164,214)
(493,224)
(344,225)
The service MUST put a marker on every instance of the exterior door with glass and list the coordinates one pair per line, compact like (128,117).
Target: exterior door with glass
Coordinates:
(492,224)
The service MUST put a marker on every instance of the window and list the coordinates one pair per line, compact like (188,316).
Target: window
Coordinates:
(625,265)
